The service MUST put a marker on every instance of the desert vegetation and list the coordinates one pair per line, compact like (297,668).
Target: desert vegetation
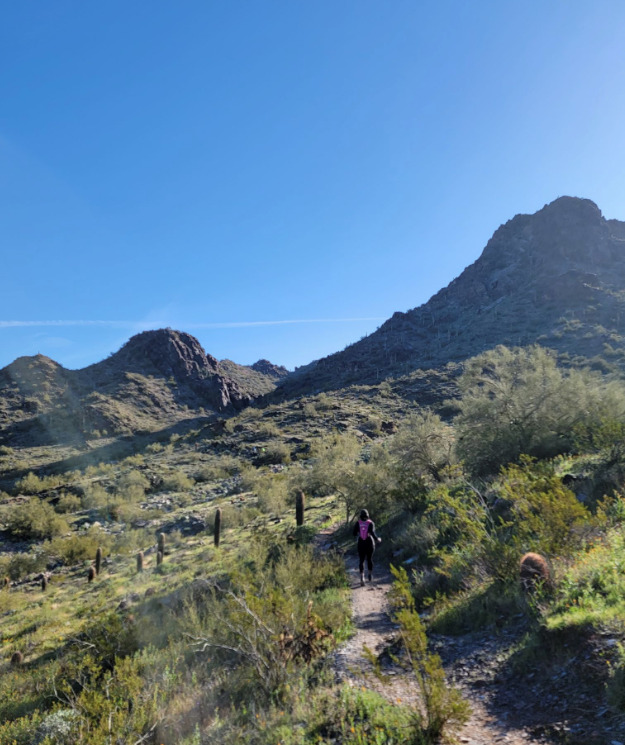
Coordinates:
(230,637)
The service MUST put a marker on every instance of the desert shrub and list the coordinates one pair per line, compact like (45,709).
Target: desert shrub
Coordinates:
(96,497)
(333,463)
(20,565)
(543,516)
(322,402)
(132,485)
(518,401)
(265,430)
(220,468)
(309,411)
(273,454)
(34,520)
(442,708)
(32,484)
(592,590)
(77,547)
(177,481)
(422,452)
(354,716)
(265,636)
(68,503)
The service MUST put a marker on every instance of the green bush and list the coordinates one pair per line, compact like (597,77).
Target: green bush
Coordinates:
(34,520)
(177,481)
(441,709)
(544,516)
(77,548)
(422,453)
(68,503)
(518,401)
(274,453)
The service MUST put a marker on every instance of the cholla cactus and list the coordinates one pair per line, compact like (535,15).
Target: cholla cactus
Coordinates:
(140,561)
(98,560)
(91,574)
(217,526)
(533,569)
(300,503)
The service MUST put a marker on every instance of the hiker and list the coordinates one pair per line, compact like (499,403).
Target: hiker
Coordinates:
(365,530)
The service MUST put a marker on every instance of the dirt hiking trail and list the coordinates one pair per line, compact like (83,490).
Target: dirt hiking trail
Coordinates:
(504,710)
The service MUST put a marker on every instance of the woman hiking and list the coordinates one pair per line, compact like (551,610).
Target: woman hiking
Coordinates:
(365,530)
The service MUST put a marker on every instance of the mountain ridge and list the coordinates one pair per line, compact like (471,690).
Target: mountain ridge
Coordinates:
(556,277)
(154,380)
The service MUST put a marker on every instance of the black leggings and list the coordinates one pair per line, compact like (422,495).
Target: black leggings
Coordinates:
(365,551)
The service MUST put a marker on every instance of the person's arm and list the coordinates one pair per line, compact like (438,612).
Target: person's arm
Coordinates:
(372,532)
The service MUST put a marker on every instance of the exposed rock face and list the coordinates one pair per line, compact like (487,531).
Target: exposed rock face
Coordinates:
(156,379)
(556,277)
(176,356)
(268,368)
(256,380)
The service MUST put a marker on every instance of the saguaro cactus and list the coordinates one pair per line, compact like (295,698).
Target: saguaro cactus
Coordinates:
(140,561)
(91,573)
(44,583)
(98,560)
(6,582)
(300,503)
(217,526)
(161,543)
(159,558)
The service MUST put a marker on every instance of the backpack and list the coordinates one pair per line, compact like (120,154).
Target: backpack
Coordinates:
(363,527)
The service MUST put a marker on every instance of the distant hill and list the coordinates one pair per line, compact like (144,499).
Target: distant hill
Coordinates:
(156,379)
(556,278)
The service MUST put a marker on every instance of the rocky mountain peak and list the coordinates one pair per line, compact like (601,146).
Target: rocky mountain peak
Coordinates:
(268,368)
(165,352)
(556,277)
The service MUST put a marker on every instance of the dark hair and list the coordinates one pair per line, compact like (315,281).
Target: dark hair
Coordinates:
(364,515)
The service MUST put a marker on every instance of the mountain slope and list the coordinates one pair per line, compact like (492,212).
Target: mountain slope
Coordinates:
(556,277)
(156,379)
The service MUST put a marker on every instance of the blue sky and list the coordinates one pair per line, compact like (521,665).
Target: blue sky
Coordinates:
(209,165)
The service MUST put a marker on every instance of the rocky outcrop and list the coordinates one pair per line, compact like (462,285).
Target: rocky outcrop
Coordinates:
(156,379)
(277,372)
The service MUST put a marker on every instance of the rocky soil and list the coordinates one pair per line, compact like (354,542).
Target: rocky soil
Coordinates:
(560,701)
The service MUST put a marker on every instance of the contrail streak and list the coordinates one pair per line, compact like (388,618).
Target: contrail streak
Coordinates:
(148,325)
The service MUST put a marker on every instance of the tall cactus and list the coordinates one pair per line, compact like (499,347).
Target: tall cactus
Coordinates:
(6,583)
(44,583)
(217,526)
(159,558)
(161,543)
(140,561)
(300,503)
(98,560)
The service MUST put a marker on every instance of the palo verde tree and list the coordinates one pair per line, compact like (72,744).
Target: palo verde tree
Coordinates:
(517,401)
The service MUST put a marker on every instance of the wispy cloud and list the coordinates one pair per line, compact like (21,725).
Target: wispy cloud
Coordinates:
(184,326)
